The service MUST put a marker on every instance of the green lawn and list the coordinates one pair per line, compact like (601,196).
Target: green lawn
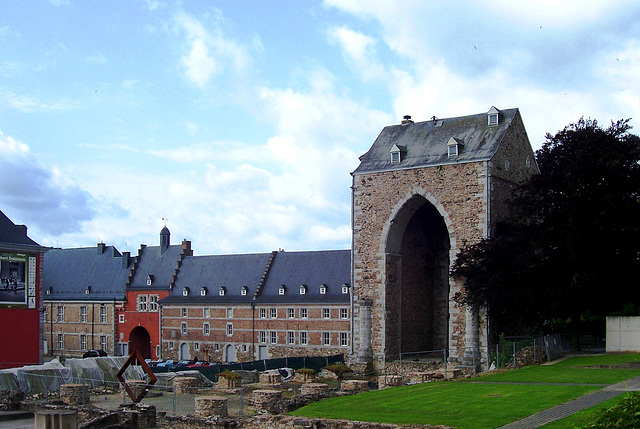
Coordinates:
(584,417)
(478,405)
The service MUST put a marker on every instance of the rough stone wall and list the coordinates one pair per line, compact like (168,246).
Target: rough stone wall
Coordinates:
(458,192)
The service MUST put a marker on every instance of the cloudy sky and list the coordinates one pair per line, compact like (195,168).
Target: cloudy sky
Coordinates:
(239,121)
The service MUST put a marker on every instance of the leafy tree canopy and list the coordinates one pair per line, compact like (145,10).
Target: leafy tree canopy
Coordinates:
(572,244)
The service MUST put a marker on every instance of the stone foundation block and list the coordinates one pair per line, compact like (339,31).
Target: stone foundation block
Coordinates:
(266,400)
(270,379)
(354,385)
(56,419)
(183,385)
(314,388)
(74,394)
(420,377)
(209,406)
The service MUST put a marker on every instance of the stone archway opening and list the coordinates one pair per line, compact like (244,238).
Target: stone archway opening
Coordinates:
(417,257)
(139,339)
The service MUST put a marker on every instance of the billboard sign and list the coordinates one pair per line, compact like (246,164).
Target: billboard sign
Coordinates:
(17,279)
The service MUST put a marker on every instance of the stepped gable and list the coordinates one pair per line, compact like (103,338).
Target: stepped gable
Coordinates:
(232,272)
(156,262)
(68,273)
(424,144)
(312,269)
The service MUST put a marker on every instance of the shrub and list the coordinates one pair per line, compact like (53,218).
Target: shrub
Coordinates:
(624,415)
(230,375)
(339,369)
(308,371)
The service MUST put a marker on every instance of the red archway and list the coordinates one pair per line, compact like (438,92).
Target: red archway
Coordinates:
(139,339)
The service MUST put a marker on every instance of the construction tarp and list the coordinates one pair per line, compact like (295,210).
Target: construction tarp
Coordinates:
(165,379)
(35,379)
(102,371)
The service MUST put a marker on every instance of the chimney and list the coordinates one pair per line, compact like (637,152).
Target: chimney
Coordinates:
(125,259)
(101,247)
(186,248)
(406,119)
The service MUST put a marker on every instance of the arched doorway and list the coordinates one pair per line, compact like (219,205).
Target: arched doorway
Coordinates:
(139,339)
(230,354)
(184,352)
(417,279)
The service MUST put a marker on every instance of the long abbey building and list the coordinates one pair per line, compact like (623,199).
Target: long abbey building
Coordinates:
(421,192)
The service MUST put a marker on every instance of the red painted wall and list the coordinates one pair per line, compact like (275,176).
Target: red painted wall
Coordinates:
(20,331)
(150,320)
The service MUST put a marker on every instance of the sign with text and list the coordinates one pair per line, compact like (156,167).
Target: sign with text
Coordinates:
(18,279)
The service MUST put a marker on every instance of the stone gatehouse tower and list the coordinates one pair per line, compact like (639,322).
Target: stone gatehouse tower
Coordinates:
(421,192)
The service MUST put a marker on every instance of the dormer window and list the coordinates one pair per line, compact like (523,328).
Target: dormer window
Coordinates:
(493,116)
(397,153)
(243,291)
(454,147)
(203,291)
(282,289)
(87,290)
(149,280)
(303,289)
(49,290)
(323,289)
(222,291)
(345,288)
(185,291)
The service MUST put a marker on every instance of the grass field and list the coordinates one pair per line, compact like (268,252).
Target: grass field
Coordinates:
(468,405)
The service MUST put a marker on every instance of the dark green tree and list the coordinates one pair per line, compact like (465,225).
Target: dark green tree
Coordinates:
(571,248)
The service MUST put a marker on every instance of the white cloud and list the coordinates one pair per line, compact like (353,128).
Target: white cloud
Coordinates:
(41,198)
(208,51)
(359,50)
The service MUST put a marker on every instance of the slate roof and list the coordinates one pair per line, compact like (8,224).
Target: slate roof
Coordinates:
(230,271)
(425,143)
(68,272)
(160,265)
(12,235)
(292,269)
(311,268)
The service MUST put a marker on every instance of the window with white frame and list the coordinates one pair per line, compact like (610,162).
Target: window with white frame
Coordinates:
(206,312)
(303,289)
(83,314)
(274,337)
(344,313)
(304,313)
(60,341)
(323,289)
(344,339)
(103,342)
(183,328)
(244,348)
(291,337)
(206,329)
(120,318)
(142,302)
(103,313)
(229,313)
(183,312)
(229,329)
(83,342)
(303,338)
(291,313)
(196,346)
(60,313)
(273,313)
(326,313)
(153,303)
(282,289)
(345,289)
(243,291)
(216,346)
(263,313)
(170,345)
(262,337)
(326,338)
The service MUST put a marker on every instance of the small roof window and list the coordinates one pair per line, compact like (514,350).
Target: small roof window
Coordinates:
(323,289)
(87,290)
(203,291)
(345,288)
(493,116)
(454,147)
(397,153)
(222,291)
(303,289)
(149,279)
(243,291)
(185,291)
(282,289)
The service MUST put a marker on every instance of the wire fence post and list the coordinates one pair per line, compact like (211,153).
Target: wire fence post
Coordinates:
(444,355)
(174,401)
(514,354)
